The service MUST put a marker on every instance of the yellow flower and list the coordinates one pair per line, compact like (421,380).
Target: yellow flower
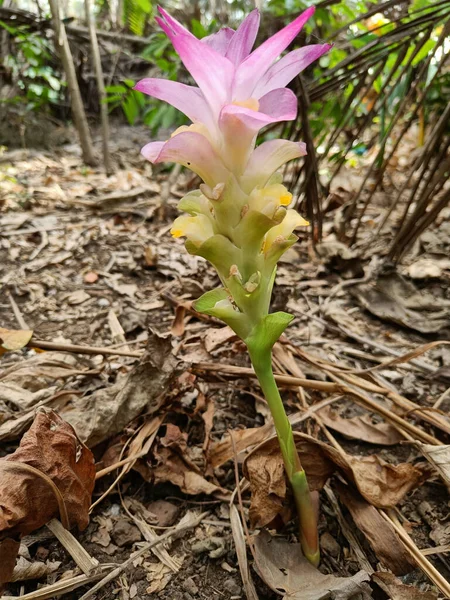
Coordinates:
(281,232)
(267,199)
(196,229)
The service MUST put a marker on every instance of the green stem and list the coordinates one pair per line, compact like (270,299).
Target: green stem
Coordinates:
(262,363)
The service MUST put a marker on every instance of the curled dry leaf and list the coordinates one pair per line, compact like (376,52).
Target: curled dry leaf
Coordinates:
(284,569)
(396,590)
(380,483)
(28,500)
(14,339)
(52,447)
(360,428)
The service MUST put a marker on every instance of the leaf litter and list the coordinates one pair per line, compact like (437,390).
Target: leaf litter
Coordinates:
(90,277)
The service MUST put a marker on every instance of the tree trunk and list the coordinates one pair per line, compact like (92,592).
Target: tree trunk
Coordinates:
(100,85)
(79,116)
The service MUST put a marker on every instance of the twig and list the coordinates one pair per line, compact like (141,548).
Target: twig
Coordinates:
(77,349)
(145,548)
(83,559)
(16,310)
(60,587)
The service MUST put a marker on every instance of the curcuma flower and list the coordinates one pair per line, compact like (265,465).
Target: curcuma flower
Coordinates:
(239,219)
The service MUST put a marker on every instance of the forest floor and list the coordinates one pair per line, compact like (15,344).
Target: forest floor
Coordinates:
(88,259)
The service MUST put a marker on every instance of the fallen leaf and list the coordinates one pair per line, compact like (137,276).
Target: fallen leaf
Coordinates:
(107,411)
(380,483)
(439,457)
(396,590)
(25,569)
(159,575)
(284,569)
(51,447)
(265,471)
(77,297)
(393,299)
(12,340)
(173,468)
(381,535)
(222,451)
(9,549)
(217,337)
(360,428)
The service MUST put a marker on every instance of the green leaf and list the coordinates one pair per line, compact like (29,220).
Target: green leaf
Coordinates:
(207,302)
(264,335)
(207,305)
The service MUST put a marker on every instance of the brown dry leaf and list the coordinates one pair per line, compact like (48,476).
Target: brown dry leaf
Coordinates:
(439,457)
(173,468)
(265,471)
(28,501)
(284,569)
(52,447)
(217,337)
(222,451)
(381,484)
(380,534)
(159,575)
(178,324)
(25,569)
(360,428)
(14,339)
(107,411)
(396,590)
(9,549)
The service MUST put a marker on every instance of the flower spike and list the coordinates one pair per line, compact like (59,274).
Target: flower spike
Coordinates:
(241,219)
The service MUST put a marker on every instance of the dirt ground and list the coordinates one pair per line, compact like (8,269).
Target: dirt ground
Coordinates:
(88,259)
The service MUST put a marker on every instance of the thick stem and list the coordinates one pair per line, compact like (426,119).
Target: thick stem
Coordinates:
(262,363)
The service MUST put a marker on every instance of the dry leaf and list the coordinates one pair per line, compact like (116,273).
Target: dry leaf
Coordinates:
(14,339)
(393,299)
(107,411)
(439,457)
(381,535)
(9,549)
(25,569)
(217,337)
(284,569)
(173,468)
(28,501)
(265,471)
(360,428)
(381,484)
(396,590)
(222,451)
